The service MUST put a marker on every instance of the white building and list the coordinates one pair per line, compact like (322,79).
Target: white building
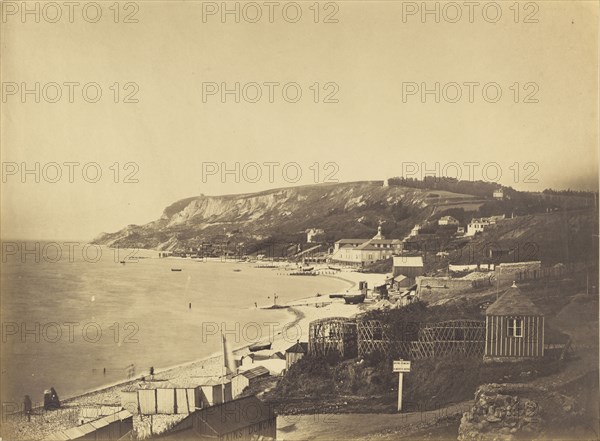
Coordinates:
(360,251)
(478,224)
(310,234)
(499,194)
(415,231)
(447,220)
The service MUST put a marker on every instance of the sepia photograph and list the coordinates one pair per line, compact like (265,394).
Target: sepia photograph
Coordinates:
(301,220)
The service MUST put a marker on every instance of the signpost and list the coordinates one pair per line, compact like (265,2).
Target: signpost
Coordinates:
(402,367)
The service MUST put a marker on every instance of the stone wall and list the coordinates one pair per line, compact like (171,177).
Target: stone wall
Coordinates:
(500,414)
(510,412)
(430,288)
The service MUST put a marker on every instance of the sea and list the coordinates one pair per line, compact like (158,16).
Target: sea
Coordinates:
(77,319)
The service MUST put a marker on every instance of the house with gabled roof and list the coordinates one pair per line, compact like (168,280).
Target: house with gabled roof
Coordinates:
(362,251)
(295,353)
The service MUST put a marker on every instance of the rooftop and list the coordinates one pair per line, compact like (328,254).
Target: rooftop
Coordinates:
(298,348)
(235,415)
(408,261)
(513,302)
(256,372)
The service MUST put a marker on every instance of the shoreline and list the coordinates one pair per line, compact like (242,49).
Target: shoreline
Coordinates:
(301,312)
(179,368)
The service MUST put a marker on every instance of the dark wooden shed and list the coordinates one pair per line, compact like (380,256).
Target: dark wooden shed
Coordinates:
(514,328)
(295,353)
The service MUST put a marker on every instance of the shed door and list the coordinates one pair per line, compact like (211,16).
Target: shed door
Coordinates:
(165,401)
(147,399)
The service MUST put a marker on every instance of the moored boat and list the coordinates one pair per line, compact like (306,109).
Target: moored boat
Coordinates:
(353,299)
(259,347)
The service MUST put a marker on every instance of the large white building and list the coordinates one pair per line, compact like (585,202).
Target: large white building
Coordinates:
(361,251)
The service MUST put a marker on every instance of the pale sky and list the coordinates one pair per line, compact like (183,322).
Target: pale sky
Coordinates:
(370,54)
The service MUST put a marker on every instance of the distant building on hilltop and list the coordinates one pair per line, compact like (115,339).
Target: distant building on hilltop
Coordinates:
(312,233)
(448,220)
(498,194)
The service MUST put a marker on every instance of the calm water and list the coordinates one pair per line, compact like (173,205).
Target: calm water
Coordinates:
(87,316)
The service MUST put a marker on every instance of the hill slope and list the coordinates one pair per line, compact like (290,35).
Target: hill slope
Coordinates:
(282,215)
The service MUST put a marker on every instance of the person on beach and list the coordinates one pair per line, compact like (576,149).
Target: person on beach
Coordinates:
(51,400)
(27,407)
(54,397)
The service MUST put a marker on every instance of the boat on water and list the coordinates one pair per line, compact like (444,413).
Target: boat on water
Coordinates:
(259,347)
(175,269)
(307,268)
(237,270)
(354,299)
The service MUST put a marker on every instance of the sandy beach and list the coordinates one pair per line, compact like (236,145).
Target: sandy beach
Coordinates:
(302,312)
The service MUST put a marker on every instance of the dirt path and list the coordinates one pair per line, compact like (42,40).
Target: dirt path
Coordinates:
(360,426)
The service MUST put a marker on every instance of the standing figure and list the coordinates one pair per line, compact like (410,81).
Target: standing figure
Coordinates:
(27,407)
(54,398)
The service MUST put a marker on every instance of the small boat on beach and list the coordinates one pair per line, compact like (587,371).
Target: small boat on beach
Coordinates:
(175,269)
(259,347)
(354,299)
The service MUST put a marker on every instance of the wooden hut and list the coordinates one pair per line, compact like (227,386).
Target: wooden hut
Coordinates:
(168,398)
(108,428)
(242,419)
(295,353)
(335,335)
(514,328)
(213,390)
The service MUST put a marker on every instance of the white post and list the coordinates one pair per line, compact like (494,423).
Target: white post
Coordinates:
(400,378)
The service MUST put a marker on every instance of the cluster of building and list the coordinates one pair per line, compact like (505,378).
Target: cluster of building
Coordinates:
(513,330)
(359,252)
(211,407)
